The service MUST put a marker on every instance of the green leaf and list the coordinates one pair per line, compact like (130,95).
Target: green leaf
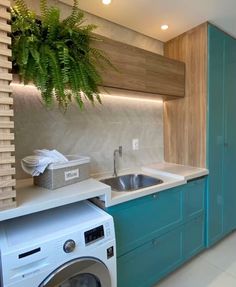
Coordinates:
(56,55)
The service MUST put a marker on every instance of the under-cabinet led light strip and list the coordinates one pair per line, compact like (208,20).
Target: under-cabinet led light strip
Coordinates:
(133,98)
(110,95)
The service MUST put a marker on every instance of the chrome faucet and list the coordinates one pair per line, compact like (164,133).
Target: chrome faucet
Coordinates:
(119,151)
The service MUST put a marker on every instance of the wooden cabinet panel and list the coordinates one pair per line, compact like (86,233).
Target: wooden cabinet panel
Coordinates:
(128,61)
(185,119)
(164,76)
(7,171)
(141,71)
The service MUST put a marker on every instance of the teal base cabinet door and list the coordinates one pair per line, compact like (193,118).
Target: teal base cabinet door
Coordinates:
(144,266)
(156,234)
(193,237)
(151,262)
(140,220)
(194,198)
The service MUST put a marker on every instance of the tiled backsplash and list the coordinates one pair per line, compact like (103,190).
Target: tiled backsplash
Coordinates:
(95,132)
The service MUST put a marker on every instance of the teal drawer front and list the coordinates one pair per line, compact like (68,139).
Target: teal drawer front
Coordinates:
(194,198)
(193,237)
(144,266)
(149,263)
(157,233)
(141,220)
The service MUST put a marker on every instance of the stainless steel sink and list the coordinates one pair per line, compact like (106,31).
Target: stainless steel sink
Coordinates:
(131,182)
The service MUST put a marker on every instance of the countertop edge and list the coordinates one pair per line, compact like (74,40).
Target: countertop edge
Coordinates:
(29,205)
(34,199)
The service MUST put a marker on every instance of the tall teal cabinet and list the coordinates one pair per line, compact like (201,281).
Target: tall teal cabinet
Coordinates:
(221,142)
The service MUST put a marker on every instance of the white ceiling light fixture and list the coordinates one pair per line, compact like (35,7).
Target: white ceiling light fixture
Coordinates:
(164,27)
(106,2)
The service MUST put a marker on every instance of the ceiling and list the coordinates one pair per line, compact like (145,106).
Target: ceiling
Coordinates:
(146,16)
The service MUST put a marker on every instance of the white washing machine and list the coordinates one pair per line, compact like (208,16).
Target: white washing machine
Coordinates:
(69,246)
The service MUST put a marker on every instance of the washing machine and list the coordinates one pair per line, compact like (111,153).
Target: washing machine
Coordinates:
(69,246)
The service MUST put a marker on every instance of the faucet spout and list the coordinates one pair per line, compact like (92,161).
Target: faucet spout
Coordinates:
(119,152)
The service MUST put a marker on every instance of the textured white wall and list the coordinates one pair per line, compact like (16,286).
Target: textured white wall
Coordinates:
(95,132)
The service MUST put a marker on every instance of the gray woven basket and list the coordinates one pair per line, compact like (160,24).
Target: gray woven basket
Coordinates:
(58,175)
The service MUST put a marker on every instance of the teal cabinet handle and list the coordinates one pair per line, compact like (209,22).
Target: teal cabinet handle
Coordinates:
(155,242)
(155,196)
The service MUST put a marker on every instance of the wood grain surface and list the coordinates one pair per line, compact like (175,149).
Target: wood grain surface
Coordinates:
(140,70)
(7,160)
(185,119)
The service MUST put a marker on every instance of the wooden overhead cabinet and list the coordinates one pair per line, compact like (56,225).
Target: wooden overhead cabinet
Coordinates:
(142,71)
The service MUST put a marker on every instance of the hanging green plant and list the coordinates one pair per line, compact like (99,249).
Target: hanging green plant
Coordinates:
(56,55)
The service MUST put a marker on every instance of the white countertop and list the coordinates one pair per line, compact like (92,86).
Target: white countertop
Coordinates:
(31,199)
(188,172)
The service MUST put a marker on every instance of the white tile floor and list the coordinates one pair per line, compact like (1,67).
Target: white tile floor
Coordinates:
(215,267)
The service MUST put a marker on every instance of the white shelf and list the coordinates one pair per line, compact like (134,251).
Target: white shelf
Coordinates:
(31,199)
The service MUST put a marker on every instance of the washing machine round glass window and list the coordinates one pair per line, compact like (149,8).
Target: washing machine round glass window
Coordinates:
(85,279)
(82,272)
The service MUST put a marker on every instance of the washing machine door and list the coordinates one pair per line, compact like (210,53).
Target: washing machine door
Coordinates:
(82,272)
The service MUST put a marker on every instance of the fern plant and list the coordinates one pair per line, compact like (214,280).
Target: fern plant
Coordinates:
(56,55)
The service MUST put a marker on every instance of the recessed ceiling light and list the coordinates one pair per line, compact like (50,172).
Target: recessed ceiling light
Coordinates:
(106,2)
(164,27)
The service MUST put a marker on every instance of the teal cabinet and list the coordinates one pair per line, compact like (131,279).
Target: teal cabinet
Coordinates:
(215,146)
(157,233)
(149,263)
(229,156)
(144,266)
(221,145)
(194,198)
(194,237)
(140,220)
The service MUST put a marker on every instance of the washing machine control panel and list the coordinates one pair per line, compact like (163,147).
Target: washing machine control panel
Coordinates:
(94,234)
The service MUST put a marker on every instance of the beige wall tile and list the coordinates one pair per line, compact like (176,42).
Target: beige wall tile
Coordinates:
(95,131)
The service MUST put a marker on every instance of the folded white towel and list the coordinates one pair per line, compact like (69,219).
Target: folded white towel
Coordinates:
(54,154)
(36,164)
